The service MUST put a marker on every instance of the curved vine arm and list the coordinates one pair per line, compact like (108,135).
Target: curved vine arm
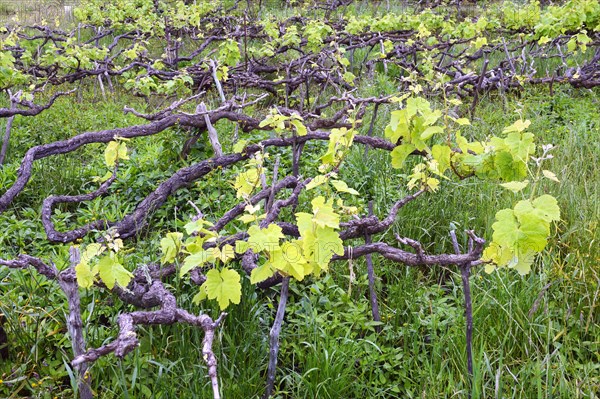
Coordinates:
(141,293)
(168,313)
(70,236)
(31,109)
(24,261)
(419,258)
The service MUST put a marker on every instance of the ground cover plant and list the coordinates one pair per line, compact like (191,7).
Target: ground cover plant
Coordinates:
(322,199)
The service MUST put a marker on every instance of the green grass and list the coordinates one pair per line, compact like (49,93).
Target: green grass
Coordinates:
(329,345)
(330,348)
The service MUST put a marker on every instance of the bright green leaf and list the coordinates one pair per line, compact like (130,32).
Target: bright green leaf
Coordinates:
(224,286)
(342,187)
(85,277)
(196,260)
(518,126)
(170,246)
(323,212)
(400,153)
(550,175)
(111,153)
(430,131)
(515,186)
(111,272)
(261,273)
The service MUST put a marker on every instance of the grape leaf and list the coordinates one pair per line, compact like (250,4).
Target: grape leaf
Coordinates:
(261,273)
(416,104)
(316,182)
(518,126)
(111,153)
(441,153)
(550,175)
(496,254)
(111,272)
(200,296)
(520,145)
(240,145)
(226,253)
(547,206)
(522,262)
(264,239)
(508,168)
(304,222)
(198,226)
(328,242)
(170,246)
(400,153)
(505,228)
(300,128)
(196,260)
(342,187)
(85,276)
(91,251)
(246,182)
(430,131)
(515,186)
(324,214)
(224,286)
(241,246)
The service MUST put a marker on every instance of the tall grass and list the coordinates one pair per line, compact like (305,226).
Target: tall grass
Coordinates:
(34,11)
(535,337)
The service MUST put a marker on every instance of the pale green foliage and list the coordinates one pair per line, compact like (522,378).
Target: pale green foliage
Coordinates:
(223,285)
(281,123)
(414,125)
(111,271)
(340,141)
(520,233)
(342,187)
(170,246)
(297,258)
(246,182)
(108,267)
(515,186)
(315,32)
(115,151)
(229,53)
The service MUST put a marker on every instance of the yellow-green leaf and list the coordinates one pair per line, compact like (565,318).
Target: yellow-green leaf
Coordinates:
(170,246)
(518,126)
(400,153)
(226,253)
(112,272)
(85,277)
(479,42)
(261,273)
(323,212)
(196,260)
(342,187)
(316,182)
(240,145)
(441,153)
(111,153)
(515,186)
(430,131)
(550,175)
(224,286)
(300,128)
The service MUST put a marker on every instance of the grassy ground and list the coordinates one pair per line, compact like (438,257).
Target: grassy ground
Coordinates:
(34,11)
(536,336)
